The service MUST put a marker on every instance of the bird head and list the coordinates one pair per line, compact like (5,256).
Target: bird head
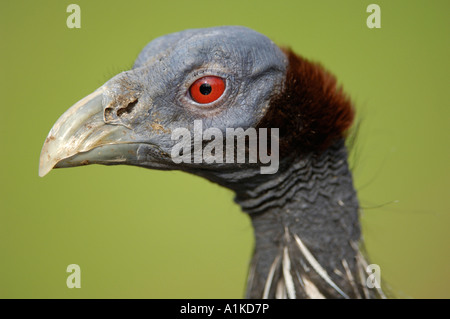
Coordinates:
(222,77)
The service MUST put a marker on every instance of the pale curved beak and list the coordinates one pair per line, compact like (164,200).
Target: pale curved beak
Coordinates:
(81,137)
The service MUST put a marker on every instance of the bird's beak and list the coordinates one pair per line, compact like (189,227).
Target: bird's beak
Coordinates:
(81,137)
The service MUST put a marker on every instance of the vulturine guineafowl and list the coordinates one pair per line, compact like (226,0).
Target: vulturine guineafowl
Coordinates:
(304,212)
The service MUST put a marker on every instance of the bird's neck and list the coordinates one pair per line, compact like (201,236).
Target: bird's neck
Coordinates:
(306,226)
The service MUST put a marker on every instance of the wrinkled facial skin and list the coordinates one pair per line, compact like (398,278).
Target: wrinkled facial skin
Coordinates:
(162,90)
(148,102)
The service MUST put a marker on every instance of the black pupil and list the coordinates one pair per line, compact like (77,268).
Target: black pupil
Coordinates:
(205,89)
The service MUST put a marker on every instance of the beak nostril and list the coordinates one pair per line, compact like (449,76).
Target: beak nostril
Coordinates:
(108,114)
(126,110)
(118,110)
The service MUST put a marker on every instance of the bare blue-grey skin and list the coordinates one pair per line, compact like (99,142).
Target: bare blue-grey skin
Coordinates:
(140,108)
(305,216)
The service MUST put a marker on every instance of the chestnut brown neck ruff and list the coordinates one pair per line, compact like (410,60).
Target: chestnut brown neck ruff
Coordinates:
(311,111)
(305,216)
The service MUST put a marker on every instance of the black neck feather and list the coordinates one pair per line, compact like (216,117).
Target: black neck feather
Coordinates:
(311,199)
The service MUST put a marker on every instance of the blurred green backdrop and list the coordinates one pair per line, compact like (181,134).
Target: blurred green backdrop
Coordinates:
(138,233)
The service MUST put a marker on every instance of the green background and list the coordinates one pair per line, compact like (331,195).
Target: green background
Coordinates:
(138,233)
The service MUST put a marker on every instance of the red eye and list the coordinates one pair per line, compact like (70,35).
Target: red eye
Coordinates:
(207,89)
